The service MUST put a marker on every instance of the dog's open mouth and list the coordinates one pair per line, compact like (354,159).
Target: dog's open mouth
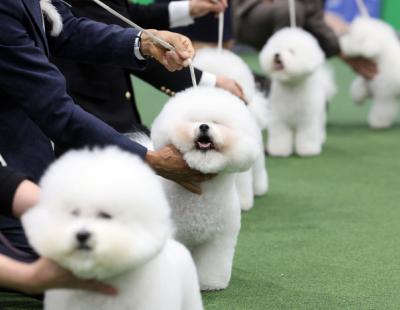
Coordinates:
(84,247)
(204,143)
(278,65)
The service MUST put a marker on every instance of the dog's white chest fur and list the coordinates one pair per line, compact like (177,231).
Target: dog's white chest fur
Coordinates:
(160,284)
(199,218)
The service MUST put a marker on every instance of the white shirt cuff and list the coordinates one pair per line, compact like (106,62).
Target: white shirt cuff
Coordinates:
(208,79)
(179,14)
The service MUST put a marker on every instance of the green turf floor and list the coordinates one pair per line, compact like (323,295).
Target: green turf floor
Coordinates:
(327,235)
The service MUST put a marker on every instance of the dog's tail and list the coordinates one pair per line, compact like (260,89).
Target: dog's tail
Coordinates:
(142,138)
(258,106)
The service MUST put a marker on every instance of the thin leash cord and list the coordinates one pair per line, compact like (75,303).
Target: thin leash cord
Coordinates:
(220,31)
(154,38)
(192,75)
(292,11)
(363,8)
(12,248)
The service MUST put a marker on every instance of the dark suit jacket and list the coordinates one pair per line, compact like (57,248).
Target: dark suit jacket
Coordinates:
(34,105)
(257,20)
(106,91)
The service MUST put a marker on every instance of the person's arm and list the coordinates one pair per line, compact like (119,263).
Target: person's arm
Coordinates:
(37,277)
(174,13)
(173,82)
(9,183)
(315,24)
(29,71)
(84,40)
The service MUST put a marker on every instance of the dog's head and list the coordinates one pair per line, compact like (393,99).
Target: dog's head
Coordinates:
(368,37)
(100,213)
(290,54)
(212,128)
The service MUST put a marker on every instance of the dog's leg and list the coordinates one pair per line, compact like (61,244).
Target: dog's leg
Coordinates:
(260,176)
(214,260)
(359,90)
(309,138)
(383,113)
(280,140)
(244,186)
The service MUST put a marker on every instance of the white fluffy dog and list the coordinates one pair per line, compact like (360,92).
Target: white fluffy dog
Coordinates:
(301,87)
(376,40)
(254,181)
(103,215)
(216,134)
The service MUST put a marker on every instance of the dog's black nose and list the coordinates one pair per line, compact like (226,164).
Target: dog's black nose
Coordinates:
(204,127)
(277,56)
(82,236)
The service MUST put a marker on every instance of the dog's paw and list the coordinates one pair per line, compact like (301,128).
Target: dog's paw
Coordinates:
(246,205)
(279,150)
(308,149)
(359,91)
(260,185)
(213,287)
(382,116)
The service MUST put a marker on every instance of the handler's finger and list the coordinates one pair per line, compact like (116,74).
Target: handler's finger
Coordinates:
(97,287)
(191,187)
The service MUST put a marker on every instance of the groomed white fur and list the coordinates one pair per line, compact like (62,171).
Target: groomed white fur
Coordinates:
(376,40)
(226,63)
(208,224)
(52,15)
(116,199)
(301,87)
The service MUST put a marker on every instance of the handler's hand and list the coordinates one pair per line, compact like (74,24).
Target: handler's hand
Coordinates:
(199,8)
(231,86)
(45,274)
(172,60)
(169,163)
(363,66)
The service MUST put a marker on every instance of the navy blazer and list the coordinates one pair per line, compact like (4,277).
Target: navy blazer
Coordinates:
(34,105)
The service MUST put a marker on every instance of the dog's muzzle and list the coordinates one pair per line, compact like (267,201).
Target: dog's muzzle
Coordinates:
(204,141)
(278,64)
(82,238)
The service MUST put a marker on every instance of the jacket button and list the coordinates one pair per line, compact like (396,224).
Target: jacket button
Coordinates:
(128,95)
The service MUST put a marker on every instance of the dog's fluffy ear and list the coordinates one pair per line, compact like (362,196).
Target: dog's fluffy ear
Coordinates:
(52,15)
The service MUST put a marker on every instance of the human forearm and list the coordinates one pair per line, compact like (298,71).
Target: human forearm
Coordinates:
(87,41)
(37,277)
(26,196)
(14,274)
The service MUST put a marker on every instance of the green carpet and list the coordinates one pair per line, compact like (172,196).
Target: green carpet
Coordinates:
(327,236)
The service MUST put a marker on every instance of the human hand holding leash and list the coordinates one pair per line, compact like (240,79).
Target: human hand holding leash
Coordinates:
(199,8)
(173,60)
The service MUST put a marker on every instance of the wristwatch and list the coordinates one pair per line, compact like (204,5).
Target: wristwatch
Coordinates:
(137,44)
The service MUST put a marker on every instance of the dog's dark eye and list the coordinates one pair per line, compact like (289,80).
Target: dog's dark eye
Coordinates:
(104,215)
(75,212)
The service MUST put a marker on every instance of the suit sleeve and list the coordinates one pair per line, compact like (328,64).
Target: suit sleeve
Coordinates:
(38,87)
(9,182)
(88,41)
(155,15)
(324,34)
(168,82)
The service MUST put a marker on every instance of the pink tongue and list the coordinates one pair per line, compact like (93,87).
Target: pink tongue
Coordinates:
(278,66)
(204,145)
